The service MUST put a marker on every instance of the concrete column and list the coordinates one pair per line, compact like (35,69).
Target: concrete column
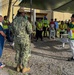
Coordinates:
(52,14)
(49,15)
(34,19)
(34,16)
(0,7)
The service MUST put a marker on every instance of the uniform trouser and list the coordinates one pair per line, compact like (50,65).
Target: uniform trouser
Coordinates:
(22,53)
(61,33)
(45,30)
(56,32)
(1,45)
(71,42)
(39,34)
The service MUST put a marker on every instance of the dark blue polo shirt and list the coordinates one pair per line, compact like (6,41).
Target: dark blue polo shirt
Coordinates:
(1,41)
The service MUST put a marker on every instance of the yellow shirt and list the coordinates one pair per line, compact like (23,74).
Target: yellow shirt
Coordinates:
(39,25)
(62,27)
(5,26)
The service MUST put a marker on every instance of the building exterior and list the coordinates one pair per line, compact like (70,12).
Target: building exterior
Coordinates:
(4,7)
(35,13)
(61,16)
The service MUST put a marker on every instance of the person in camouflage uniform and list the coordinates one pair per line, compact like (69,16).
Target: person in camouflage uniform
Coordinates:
(22,30)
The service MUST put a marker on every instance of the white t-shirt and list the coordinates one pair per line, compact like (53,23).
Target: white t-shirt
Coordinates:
(1,24)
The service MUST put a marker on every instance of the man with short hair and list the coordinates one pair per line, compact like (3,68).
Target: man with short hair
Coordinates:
(6,24)
(22,29)
(52,29)
(39,29)
(56,27)
(45,26)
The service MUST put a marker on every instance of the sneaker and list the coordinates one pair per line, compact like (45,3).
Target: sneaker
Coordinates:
(71,59)
(2,65)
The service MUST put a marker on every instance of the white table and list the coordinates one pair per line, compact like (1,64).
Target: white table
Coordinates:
(64,39)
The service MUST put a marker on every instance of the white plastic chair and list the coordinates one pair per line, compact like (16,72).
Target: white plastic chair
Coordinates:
(52,33)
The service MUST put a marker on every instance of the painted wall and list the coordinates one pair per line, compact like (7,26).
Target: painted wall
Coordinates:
(5,8)
(61,16)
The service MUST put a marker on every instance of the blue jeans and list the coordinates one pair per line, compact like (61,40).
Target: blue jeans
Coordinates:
(1,44)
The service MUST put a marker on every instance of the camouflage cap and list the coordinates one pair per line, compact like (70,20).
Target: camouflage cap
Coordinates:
(21,10)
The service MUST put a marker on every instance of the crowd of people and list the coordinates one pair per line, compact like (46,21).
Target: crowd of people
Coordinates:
(21,29)
(51,29)
(56,29)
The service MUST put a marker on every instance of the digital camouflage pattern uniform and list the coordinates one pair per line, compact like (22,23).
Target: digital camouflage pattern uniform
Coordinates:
(22,30)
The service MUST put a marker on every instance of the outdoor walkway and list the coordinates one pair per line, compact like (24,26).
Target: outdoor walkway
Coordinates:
(48,58)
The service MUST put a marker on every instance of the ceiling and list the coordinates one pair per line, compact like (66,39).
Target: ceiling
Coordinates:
(68,7)
(56,5)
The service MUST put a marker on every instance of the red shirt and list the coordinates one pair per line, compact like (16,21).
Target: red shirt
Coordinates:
(52,24)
